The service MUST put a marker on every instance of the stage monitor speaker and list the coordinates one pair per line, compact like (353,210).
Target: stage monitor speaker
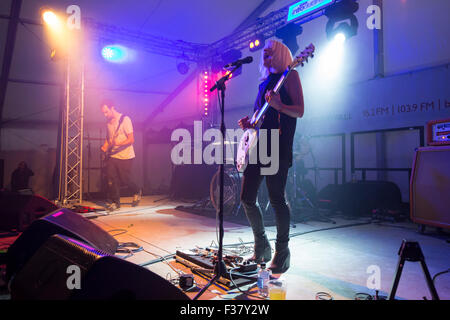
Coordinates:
(19,210)
(67,269)
(429,187)
(62,221)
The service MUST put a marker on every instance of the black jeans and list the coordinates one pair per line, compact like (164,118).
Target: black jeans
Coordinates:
(118,172)
(276,185)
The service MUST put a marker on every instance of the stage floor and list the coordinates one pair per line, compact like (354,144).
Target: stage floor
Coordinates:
(341,261)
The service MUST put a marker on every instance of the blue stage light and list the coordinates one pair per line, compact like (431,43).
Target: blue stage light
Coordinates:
(114,53)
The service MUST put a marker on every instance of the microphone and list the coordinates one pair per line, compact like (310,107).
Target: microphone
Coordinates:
(239,62)
(236,64)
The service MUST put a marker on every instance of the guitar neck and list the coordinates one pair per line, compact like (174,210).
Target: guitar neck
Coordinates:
(256,119)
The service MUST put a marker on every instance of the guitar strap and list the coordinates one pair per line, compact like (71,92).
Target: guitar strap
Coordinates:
(118,126)
(122,117)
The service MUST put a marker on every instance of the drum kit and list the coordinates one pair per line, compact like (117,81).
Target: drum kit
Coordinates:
(300,192)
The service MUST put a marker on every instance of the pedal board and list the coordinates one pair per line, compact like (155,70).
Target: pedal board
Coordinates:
(203,261)
(246,267)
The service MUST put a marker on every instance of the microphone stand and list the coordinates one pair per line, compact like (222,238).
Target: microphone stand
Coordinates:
(220,267)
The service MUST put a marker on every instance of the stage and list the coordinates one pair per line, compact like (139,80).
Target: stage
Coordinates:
(340,259)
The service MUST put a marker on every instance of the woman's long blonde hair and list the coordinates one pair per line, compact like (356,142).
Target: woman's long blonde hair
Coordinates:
(281,58)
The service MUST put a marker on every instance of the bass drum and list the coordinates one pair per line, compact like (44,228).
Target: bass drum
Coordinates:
(231,191)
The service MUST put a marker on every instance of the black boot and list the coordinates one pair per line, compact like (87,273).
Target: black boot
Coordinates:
(263,250)
(281,261)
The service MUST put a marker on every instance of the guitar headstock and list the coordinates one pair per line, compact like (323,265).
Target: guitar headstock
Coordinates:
(303,56)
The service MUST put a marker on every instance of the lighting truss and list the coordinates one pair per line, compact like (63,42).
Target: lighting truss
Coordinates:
(189,51)
(193,52)
(265,27)
(71,156)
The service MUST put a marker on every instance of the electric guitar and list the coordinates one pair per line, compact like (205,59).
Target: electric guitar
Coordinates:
(250,136)
(108,153)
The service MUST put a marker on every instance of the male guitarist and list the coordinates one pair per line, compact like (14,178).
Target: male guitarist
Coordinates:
(119,154)
(282,115)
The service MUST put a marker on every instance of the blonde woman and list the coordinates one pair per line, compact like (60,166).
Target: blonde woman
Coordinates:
(282,115)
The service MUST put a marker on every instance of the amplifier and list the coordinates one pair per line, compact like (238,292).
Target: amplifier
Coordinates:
(429,187)
(438,132)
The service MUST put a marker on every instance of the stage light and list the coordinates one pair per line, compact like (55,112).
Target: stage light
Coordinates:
(205,76)
(340,37)
(342,11)
(50,18)
(53,22)
(256,44)
(288,34)
(115,54)
(182,68)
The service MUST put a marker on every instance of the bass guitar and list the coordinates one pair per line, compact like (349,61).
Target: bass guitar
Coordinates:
(250,136)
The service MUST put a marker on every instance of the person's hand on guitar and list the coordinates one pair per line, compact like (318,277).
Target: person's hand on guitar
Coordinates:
(244,123)
(274,100)
(104,148)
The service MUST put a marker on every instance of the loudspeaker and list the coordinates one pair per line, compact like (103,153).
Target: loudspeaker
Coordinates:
(18,210)
(62,221)
(360,198)
(67,269)
(429,187)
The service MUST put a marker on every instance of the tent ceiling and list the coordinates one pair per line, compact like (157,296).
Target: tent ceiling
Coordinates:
(199,21)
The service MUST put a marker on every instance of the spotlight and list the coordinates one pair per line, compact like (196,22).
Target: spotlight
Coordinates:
(340,37)
(289,34)
(256,44)
(205,77)
(342,11)
(114,53)
(52,21)
(182,68)
(50,18)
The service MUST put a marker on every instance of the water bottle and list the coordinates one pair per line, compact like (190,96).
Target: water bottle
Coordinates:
(263,280)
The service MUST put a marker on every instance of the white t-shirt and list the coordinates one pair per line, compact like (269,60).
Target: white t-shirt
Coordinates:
(126,127)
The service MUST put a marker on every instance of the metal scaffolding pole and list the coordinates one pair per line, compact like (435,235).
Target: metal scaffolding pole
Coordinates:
(71,154)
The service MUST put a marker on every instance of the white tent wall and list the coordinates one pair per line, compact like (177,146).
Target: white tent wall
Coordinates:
(416,34)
